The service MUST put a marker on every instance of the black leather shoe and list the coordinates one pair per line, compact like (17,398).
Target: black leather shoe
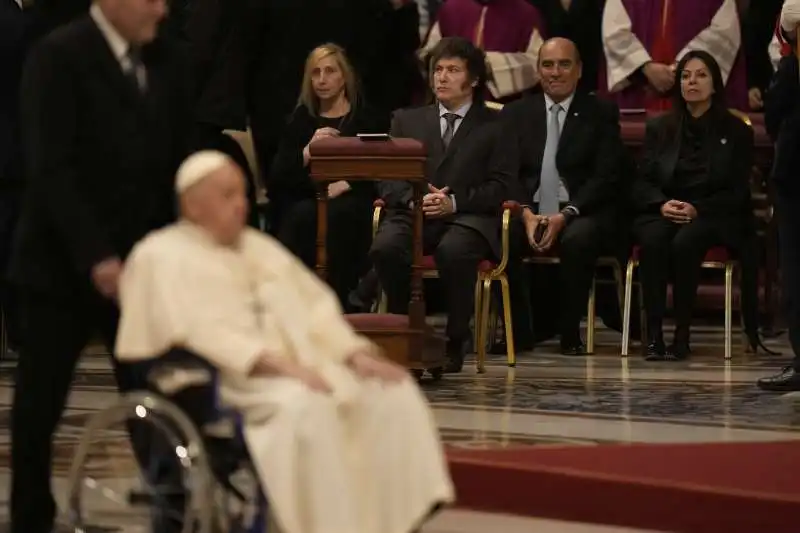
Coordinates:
(678,352)
(655,351)
(787,380)
(574,349)
(455,357)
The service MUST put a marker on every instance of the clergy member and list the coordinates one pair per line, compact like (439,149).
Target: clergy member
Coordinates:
(643,41)
(341,438)
(509,31)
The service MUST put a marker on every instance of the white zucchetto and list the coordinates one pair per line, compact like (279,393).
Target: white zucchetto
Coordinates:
(197,167)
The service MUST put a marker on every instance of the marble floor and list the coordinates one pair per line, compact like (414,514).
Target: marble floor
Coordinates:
(546,400)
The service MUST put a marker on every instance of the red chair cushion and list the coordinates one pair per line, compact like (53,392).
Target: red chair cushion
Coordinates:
(717,254)
(429,263)
(372,321)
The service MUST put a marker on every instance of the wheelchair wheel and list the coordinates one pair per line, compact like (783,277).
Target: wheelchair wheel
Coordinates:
(141,466)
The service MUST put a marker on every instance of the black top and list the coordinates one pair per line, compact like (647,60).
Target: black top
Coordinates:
(288,179)
(691,170)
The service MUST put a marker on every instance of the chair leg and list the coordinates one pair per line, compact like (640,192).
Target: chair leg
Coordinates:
(486,300)
(626,309)
(506,292)
(476,327)
(728,309)
(591,318)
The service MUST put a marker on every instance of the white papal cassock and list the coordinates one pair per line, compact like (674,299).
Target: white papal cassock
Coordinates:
(365,459)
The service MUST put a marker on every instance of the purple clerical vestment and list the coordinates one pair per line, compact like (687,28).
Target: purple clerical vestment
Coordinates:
(510,31)
(638,31)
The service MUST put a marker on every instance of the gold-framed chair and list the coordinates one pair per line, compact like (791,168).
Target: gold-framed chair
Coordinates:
(488,272)
(717,258)
(591,308)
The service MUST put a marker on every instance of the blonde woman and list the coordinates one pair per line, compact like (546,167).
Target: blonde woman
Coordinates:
(328,106)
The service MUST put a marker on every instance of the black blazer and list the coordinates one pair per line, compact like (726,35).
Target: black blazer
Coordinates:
(101,158)
(475,166)
(731,161)
(288,179)
(589,154)
(14,27)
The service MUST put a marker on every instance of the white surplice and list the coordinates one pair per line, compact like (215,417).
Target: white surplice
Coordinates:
(625,53)
(365,459)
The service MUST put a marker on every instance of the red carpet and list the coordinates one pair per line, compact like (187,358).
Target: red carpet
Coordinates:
(702,488)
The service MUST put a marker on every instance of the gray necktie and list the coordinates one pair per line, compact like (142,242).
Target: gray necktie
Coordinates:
(450,128)
(134,70)
(550,182)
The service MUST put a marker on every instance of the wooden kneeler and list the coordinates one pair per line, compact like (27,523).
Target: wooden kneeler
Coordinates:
(406,339)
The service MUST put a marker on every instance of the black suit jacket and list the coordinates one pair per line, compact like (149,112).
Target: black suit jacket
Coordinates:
(475,166)
(100,157)
(14,26)
(589,150)
(731,161)
(782,119)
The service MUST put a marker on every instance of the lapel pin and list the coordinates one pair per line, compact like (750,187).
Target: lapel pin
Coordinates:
(724,141)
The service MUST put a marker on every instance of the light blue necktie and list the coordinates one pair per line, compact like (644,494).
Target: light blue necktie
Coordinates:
(550,182)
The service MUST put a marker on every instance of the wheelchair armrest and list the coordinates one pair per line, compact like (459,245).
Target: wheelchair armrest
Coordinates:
(178,370)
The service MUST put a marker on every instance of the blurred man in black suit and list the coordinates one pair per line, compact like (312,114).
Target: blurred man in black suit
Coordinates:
(100,177)
(568,150)
(782,119)
(15,35)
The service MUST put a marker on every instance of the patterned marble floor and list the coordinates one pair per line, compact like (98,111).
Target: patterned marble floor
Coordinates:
(546,400)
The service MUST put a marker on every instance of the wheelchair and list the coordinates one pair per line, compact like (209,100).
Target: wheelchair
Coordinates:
(190,457)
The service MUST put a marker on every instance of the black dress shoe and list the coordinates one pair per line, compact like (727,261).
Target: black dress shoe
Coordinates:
(678,351)
(573,349)
(455,357)
(655,351)
(787,380)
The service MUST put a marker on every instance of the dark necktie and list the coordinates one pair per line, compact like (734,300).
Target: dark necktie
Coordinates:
(450,128)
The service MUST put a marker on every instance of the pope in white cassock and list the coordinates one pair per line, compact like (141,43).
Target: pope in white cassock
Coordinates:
(342,439)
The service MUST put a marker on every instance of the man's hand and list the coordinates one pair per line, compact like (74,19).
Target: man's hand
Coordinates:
(337,188)
(555,224)
(105,276)
(437,203)
(660,76)
(755,99)
(532,223)
(678,212)
(368,364)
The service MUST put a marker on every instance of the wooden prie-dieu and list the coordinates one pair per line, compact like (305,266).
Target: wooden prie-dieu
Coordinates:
(406,339)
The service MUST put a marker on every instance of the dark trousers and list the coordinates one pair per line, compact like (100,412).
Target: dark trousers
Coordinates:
(679,249)
(543,301)
(458,251)
(788,216)
(348,238)
(55,331)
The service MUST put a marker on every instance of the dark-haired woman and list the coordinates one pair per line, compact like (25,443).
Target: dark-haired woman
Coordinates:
(693,194)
